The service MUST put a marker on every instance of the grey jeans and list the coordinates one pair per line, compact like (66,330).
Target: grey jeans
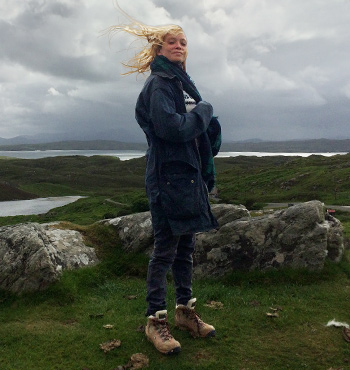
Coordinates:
(170,252)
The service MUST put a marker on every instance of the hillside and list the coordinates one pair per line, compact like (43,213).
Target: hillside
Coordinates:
(9,192)
(250,180)
(240,179)
(75,175)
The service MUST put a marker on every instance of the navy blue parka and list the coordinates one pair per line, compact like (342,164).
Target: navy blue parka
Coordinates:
(174,185)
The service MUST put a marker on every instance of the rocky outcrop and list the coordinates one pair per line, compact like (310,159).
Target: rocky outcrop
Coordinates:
(297,237)
(301,236)
(135,231)
(32,256)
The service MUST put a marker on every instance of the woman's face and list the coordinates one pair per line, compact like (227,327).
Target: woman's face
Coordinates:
(174,47)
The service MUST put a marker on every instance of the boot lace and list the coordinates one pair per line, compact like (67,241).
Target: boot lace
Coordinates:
(192,315)
(162,328)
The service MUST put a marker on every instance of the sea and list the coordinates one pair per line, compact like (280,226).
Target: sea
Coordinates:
(130,154)
(43,205)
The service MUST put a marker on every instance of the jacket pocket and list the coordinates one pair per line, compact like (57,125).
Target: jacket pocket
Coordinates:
(180,194)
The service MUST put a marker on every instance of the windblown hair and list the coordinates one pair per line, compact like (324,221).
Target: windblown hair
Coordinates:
(153,35)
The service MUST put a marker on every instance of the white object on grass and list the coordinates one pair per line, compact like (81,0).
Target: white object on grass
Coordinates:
(338,324)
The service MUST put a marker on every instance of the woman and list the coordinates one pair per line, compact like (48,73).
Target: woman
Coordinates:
(183,136)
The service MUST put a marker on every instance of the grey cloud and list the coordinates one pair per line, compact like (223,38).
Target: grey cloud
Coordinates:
(271,70)
(62,10)
(35,13)
(176,8)
(40,54)
(330,120)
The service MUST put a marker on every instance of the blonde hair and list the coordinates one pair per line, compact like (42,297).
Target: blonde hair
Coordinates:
(154,35)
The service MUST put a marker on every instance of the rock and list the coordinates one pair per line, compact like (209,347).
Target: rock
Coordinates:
(226,213)
(32,256)
(297,237)
(334,238)
(135,231)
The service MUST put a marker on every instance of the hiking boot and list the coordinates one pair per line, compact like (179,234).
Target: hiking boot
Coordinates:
(157,332)
(186,318)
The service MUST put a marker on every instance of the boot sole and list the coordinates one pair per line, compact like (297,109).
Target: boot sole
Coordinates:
(173,351)
(196,335)
(185,328)
(211,334)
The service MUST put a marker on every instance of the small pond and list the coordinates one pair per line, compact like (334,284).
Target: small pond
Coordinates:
(34,206)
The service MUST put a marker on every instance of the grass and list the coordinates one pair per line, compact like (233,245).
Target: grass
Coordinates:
(59,329)
(251,181)
(62,327)
(284,179)
(74,175)
(245,180)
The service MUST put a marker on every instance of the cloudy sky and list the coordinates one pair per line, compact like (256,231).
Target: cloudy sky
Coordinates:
(272,69)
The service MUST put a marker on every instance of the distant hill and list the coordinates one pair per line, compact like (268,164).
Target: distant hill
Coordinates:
(78,145)
(121,135)
(291,146)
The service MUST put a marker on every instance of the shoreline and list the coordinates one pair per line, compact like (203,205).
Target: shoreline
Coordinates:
(124,155)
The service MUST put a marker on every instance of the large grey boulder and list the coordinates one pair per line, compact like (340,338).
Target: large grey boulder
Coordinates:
(297,237)
(32,256)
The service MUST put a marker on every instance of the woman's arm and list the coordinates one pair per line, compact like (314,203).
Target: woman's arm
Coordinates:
(177,127)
